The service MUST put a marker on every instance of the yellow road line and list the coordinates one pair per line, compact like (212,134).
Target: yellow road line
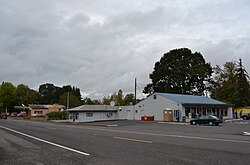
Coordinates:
(135,140)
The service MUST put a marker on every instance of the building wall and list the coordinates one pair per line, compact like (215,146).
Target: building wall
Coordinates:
(155,107)
(152,106)
(230,112)
(44,111)
(126,113)
(91,116)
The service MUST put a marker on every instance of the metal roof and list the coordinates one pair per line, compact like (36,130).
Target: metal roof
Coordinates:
(41,106)
(191,99)
(94,108)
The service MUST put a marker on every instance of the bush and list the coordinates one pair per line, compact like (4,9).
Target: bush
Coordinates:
(57,115)
(27,117)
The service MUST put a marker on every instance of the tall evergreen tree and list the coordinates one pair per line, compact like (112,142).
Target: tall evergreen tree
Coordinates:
(231,84)
(223,86)
(242,88)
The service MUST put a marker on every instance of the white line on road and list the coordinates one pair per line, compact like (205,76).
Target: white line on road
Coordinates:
(45,141)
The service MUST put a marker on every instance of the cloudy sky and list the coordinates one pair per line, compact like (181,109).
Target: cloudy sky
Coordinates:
(100,46)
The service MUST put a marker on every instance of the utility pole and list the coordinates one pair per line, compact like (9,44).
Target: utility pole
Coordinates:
(135,90)
(68,101)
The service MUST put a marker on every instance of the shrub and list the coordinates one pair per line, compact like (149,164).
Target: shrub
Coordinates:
(27,117)
(57,115)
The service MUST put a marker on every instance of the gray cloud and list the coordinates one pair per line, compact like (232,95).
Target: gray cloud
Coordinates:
(101,46)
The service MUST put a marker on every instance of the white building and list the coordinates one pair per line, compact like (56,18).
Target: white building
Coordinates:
(90,113)
(158,106)
(170,107)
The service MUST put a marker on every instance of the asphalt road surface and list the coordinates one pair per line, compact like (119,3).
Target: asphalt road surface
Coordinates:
(131,142)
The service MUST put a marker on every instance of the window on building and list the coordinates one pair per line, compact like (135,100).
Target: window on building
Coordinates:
(110,114)
(176,113)
(209,111)
(213,111)
(198,111)
(187,112)
(221,111)
(225,110)
(38,112)
(75,116)
(193,113)
(217,112)
(204,111)
(89,114)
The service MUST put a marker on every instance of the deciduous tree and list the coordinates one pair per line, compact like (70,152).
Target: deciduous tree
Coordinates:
(180,71)
(7,96)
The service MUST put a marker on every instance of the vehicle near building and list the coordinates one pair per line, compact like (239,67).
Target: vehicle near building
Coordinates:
(14,114)
(3,116)
(246,117)
(209,119)
(242,112)
(37,115)
(21,114)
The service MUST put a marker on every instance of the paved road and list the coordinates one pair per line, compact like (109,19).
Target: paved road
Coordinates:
(132,142)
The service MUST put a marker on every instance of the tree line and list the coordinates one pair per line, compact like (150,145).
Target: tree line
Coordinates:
(179,71)
(48,93)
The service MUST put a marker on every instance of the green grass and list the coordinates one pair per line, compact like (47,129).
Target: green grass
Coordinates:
(37,118)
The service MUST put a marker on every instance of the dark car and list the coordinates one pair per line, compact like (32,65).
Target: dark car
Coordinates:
(3,116)
(209,119)
(246,117)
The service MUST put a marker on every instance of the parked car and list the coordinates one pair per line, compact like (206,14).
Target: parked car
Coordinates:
(246,117)
(3,116)
(37,115)
(21,114)
(209,119)
(13,114)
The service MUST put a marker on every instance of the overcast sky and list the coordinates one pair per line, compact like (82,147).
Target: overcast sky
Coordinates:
(100,46)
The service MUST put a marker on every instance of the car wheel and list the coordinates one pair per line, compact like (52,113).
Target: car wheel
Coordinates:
(193,123)
(210,123)
(244,118)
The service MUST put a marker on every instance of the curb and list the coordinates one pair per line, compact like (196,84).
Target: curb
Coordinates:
(99,125)
(231,120)
(180,123)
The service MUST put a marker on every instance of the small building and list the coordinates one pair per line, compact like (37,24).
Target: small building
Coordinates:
(174,107)
(42,110)
(39,109)
(90,113)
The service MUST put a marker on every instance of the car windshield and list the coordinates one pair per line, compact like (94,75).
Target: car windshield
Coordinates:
(208,117)
(213,117)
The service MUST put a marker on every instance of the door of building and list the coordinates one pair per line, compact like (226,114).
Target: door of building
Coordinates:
(168,115)
(129,116)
